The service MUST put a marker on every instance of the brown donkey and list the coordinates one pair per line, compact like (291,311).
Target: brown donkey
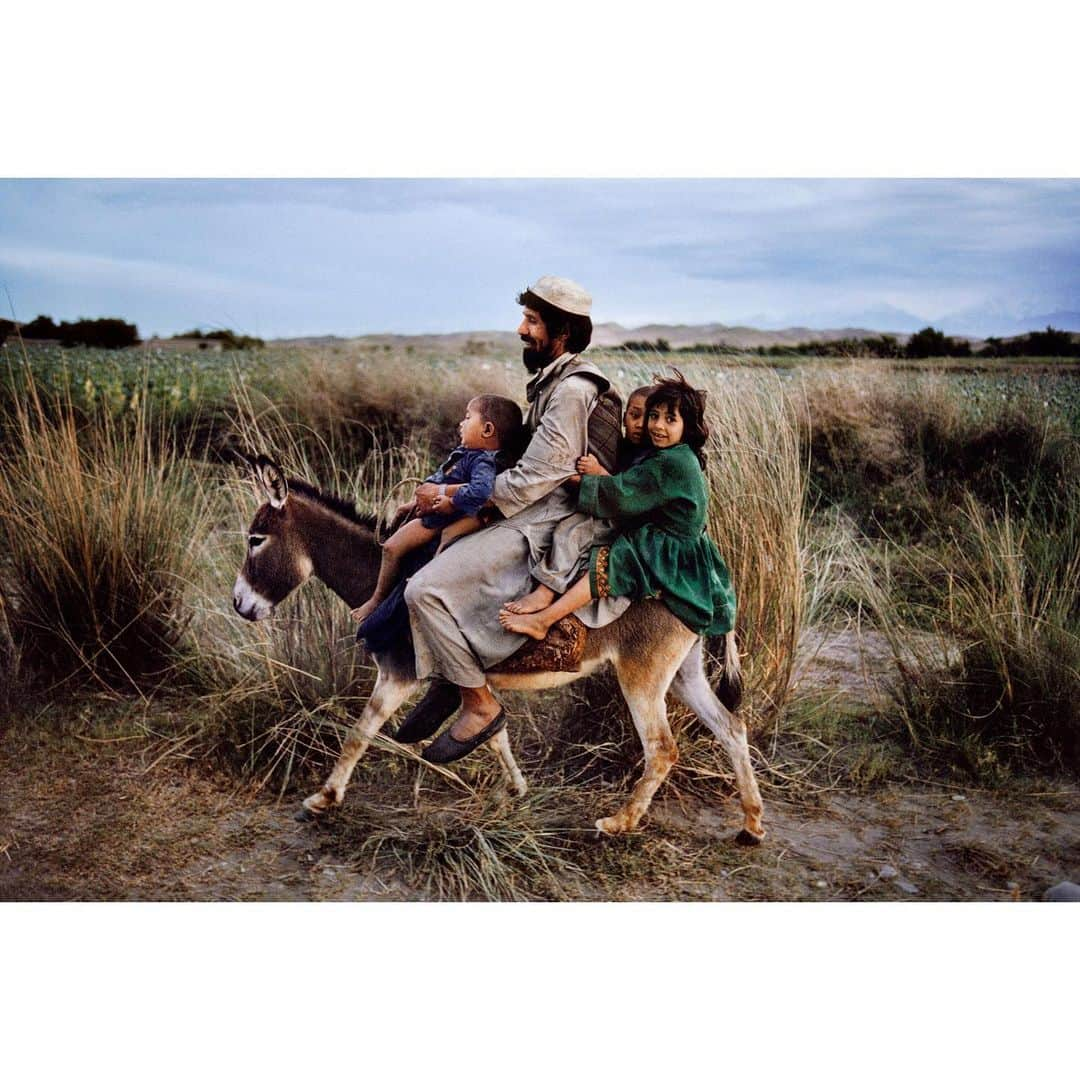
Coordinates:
(299,532)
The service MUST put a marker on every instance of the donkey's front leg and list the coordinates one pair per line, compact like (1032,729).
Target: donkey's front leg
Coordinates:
(390,691)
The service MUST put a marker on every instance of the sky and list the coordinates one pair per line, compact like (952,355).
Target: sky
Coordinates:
(285,258)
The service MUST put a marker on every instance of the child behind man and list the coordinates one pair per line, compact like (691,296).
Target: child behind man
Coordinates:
(564,554)
(490,433)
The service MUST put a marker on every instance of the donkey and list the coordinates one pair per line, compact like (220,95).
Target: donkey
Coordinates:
(300,532)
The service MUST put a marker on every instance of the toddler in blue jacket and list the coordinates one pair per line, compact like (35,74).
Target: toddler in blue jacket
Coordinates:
(466,478)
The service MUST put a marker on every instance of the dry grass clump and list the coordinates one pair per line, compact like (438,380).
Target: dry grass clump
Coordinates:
(474,848)
(757,516)
(357,398)
(998,687)
(900,452)
(850,428)
(100,528)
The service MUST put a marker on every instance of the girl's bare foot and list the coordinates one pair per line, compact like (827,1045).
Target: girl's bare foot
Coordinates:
(360,613)
(540,598)
(536,626)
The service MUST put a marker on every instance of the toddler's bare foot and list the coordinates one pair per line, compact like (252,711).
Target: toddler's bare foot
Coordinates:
(360,613)
(540,598)
(536,626)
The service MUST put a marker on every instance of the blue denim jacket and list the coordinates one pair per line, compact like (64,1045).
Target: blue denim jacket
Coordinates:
(473,468)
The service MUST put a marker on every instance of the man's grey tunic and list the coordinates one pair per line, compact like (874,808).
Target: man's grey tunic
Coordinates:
(454,601)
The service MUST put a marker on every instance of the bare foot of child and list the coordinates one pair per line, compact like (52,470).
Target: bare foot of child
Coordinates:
(359,614)
(536,626)
(540,598)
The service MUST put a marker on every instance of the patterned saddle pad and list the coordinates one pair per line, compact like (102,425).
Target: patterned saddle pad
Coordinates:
(561,650)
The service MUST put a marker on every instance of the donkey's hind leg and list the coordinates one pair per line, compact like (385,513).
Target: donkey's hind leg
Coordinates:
(692,688)
(644,683)
(500,746)
(390,691)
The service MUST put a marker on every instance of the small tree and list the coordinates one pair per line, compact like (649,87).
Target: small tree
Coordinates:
(99,333)
(927,342)
(41,328)
(1050,342)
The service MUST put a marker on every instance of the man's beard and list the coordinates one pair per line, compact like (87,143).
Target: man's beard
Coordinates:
(535,359)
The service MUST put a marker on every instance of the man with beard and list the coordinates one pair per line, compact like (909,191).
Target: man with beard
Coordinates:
(454,601)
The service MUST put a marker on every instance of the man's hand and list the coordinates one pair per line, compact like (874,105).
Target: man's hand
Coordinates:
(425,497)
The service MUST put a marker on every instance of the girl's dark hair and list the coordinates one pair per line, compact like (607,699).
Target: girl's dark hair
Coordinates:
(578,328)
(690,403)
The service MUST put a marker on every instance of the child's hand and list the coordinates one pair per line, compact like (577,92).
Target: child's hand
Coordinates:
(589,466)
(573,481)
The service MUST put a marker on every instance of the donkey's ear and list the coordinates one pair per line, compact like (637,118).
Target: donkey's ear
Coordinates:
(272,481)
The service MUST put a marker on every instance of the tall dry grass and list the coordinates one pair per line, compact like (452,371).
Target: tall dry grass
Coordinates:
(899,451)
(99,527)
(358,399)
(994,687)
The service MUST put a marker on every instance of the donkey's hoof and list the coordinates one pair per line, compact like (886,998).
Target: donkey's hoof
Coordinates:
(611,826)
(745,838)
(304,815)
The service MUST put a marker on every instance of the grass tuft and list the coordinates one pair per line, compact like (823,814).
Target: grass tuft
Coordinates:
(99,528)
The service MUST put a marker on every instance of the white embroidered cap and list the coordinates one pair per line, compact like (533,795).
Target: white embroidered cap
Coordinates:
(564,294)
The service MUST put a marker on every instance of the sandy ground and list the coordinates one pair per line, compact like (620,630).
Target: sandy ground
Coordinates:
(85,819)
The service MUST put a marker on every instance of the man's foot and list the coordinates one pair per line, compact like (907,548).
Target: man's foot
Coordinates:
(452,745)
(359,614)
(540,598)
(536,626)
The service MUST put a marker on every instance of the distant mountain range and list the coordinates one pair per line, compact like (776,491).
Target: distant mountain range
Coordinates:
(974,325)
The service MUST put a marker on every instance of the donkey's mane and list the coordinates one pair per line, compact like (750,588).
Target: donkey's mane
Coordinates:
(335,503)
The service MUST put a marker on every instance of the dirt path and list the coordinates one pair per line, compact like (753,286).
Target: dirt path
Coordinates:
(109,827)
(83,818)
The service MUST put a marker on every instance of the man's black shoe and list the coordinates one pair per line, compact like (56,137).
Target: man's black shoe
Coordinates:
(441,701)
(446,748)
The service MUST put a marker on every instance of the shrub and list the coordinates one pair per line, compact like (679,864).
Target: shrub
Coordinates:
(40,328)
(228,339)
(99,531)
(930,342)
(99,333)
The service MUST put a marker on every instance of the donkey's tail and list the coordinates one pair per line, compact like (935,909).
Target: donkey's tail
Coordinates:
(729,690)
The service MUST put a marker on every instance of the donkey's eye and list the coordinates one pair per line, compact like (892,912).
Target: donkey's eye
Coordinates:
(255,541)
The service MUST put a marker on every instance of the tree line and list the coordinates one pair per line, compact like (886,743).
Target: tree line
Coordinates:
(98,333)
(112,334)
(926,343)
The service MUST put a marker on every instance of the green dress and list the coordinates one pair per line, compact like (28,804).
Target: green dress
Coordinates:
(664,552)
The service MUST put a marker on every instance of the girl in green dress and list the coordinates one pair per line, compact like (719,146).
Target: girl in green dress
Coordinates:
(662,503)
